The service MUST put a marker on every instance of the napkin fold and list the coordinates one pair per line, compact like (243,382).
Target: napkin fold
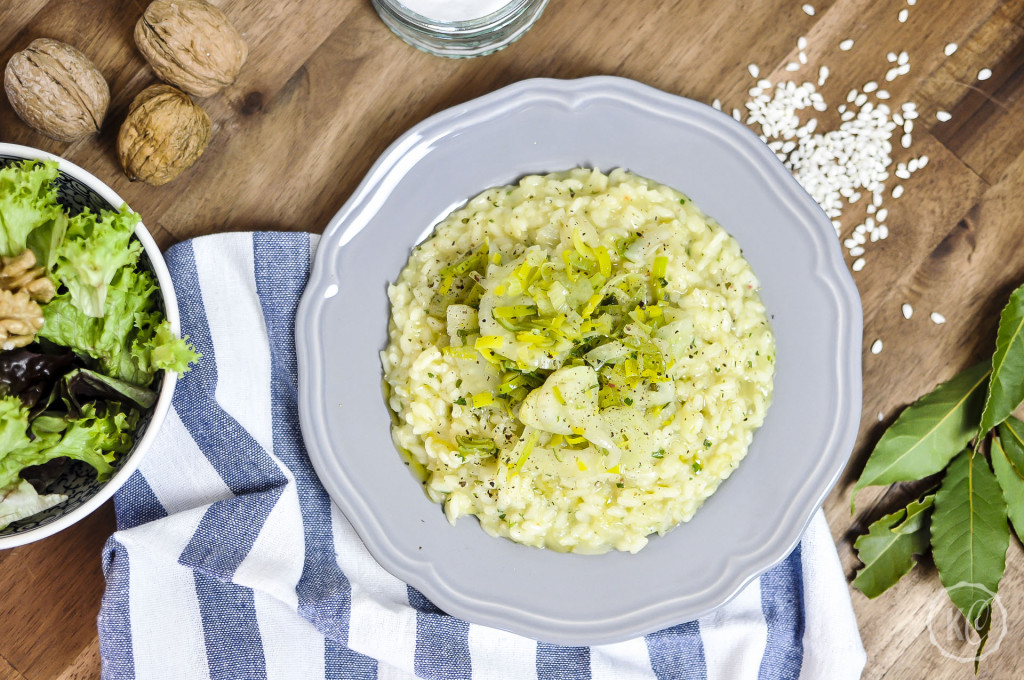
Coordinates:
(230,560)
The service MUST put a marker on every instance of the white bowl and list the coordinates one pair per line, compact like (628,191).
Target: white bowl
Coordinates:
(85,494)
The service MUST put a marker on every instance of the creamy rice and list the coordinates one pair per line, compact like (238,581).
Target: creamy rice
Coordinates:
(578,360)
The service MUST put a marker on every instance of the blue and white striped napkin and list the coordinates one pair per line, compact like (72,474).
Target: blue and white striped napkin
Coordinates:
(230,561)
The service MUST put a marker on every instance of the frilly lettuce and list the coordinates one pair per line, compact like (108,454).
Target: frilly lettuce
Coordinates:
(94,250)
(92,438)
(28,201)
(77,391)
(131,340)
(21,500)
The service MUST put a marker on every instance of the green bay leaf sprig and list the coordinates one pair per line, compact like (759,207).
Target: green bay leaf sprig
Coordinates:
(963,429)
(1005,387)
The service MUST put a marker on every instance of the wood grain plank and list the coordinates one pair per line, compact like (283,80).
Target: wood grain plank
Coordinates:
(9,672)
(86,666)
(327,88)
(986,114)
(15,15)
(52,590)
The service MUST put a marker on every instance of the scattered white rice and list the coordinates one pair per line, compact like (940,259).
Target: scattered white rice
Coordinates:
(908,311)
(876,347)
(808,10)
(753,70)
(903,16)
(950,49)
(938,318)
(843,166)
(984,74)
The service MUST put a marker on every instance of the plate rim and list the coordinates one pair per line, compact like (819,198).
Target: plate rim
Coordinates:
(356,214)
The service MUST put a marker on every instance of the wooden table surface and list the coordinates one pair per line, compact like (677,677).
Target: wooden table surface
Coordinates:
(327,88)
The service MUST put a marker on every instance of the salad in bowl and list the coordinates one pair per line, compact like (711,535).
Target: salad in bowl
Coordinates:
(85,341)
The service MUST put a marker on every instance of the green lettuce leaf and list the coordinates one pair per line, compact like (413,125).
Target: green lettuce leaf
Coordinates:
(44,240)
(95,248)
(92,438)
(28,200)
(13,426)
(165,351)
(21,500)
(131,341)
(96,439)
(130,308)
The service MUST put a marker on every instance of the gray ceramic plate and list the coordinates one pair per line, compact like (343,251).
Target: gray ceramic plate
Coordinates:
(755,518)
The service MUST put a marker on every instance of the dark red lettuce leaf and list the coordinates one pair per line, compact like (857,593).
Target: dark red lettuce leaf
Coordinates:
(82,385)
(30,375)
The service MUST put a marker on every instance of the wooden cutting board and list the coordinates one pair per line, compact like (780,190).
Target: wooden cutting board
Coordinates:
(327,88)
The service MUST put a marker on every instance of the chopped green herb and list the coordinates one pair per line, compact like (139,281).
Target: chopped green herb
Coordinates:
(461,401)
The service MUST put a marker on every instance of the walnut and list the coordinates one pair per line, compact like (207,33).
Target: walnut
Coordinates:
(191,44)
(21,317)
(56,90)
(164,134)
(20,273)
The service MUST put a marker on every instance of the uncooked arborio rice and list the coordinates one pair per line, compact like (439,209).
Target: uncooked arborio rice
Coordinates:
(578,360)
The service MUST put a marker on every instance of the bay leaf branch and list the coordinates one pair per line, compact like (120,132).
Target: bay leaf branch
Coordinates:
(929,432)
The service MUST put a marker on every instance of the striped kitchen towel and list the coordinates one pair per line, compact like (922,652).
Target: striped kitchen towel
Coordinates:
(230,561)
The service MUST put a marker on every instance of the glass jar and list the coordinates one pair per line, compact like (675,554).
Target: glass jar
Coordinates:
(451,30)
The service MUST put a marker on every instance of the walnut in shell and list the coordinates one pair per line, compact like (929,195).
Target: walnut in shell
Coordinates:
(191,44)
(56,90)
(164,134)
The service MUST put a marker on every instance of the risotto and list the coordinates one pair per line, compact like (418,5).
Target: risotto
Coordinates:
(578,360)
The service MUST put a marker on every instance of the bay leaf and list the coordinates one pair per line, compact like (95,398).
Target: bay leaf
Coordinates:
(1006,386)
(888,549)
(929,432)
(1007,458)
(917,512)
(970,535)
(1011,433)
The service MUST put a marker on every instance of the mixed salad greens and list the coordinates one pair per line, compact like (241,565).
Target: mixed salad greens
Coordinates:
(83,338)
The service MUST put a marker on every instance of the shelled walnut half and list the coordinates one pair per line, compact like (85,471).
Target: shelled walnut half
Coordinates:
(23,286)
